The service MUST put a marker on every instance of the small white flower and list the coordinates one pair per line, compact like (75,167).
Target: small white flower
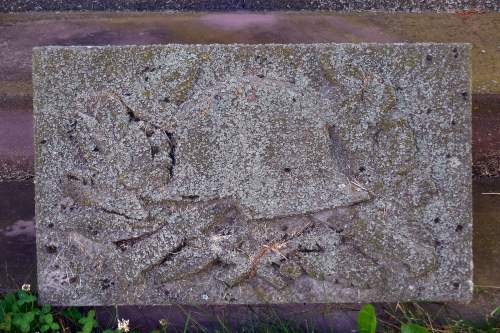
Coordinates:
(163,322)
(26,287)
(123,325)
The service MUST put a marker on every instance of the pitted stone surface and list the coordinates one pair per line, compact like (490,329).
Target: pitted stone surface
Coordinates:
(252,174)
(263,143)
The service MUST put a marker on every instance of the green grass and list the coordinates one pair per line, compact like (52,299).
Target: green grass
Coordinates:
(19,313)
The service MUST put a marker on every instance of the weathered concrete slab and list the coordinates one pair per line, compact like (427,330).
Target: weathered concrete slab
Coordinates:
(250,174)
(338,5)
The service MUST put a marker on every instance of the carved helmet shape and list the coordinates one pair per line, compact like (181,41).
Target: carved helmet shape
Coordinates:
(262,143)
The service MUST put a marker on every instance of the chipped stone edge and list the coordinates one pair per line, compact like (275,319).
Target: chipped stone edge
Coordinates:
(39,49)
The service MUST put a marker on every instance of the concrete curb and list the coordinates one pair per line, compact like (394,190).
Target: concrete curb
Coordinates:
(219,5)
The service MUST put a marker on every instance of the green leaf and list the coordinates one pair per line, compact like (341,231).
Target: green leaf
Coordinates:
(54,326)
(45,308)
(44,328)
(367,319)
(72,313)
(495,312)
(24,298)
(8,303)
(413,328)
(23,321)
(47,318)
(88,322)
(30,316)
(3,311)
(6,323)
(21,294)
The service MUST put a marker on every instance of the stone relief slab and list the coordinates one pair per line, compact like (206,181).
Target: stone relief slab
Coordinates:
(253,173)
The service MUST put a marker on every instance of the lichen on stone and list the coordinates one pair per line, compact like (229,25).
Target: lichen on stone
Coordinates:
(250,174)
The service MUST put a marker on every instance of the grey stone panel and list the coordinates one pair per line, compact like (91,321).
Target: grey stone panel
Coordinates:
(253,174)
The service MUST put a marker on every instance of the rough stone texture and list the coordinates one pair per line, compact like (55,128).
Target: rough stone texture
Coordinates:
(337,5)
(251,174)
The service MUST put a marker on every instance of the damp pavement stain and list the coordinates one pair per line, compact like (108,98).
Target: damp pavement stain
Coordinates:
(486,207)
(17,235)
(486,135)
(16,145)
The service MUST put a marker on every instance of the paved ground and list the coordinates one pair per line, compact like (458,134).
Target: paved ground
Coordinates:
(337,5)
(20,32)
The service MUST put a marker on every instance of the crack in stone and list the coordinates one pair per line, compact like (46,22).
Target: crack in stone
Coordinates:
(173,147)
(317,249)
(169,256)
(110,211)
(338,151)
(131,114)
(124,244)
